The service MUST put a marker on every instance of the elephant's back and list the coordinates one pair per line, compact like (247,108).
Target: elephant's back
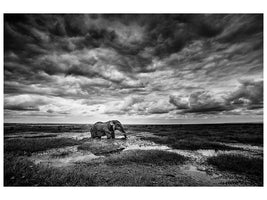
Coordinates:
(99,125)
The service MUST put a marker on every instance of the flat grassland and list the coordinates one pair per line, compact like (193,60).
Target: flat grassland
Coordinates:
(153,155)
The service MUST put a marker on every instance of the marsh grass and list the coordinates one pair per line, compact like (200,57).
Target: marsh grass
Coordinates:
(142,157)
(132,167)
(195,145)
(125,169)
(249,166)
(40,136)
(189,144)
(205,136)
(18,171)
(28,146)
(100,148)
(52,128)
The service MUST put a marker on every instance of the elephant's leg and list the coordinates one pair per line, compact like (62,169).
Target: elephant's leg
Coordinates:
(109,135)
(112,135)
(92,134)
(98,134)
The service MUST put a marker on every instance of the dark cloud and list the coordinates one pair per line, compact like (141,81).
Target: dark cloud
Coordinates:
(131,64)
(171,33)
(240,27)
(249,94)
(22,107)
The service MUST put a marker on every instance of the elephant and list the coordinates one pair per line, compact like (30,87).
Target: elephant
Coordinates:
(108,128)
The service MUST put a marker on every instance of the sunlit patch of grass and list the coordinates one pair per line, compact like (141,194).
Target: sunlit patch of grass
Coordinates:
(156,157)
(249,166)
(28,146)
(100,148)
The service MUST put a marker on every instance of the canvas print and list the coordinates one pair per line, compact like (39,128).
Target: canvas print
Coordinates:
(133,99)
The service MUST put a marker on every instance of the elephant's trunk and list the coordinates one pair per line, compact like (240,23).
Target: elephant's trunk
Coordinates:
(121,129)
(124,133)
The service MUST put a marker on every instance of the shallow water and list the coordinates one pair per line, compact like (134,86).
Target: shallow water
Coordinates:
(208,153)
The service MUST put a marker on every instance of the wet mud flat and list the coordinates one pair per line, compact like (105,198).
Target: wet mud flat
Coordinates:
(146,158)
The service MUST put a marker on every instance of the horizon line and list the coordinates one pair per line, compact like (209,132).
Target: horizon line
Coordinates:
(143,123)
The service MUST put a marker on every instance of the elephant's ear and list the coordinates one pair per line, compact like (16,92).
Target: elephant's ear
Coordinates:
(112,125)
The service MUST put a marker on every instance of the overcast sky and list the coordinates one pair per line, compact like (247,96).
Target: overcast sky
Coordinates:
(134,68)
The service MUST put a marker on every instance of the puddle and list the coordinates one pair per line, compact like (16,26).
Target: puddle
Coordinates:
(192,168)
(146,134)
(62,157)
(140,147)
(76,135)
(207,153)
(134,143)
(197,174)
(64,162)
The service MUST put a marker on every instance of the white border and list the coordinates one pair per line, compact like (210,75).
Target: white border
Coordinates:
(124,6)
(134,6)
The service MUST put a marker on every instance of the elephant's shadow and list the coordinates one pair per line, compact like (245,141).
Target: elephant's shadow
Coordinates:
(122,138)
(116,139)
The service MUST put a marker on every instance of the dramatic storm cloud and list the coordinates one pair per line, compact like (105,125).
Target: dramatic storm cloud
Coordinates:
(136,68)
